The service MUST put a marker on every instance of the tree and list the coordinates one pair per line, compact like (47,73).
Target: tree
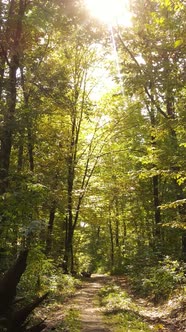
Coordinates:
(154,62)
(13,319)
(84,132)
(11,49)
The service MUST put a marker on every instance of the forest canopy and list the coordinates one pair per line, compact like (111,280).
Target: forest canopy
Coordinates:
(93,135)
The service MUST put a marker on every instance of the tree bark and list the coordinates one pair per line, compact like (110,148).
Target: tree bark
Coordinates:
(157,215)
(50,228)
(10,281)
(117,222)
(13,35)
(30,149)
(7,130)
(111,240)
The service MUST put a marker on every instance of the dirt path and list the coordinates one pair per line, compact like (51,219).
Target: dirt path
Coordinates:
(90,314)
(91,319)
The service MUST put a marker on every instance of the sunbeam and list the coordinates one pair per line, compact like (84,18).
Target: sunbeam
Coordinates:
(114,12)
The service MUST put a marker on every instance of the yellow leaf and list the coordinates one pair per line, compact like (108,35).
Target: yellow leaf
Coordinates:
(158,327)
(178,42)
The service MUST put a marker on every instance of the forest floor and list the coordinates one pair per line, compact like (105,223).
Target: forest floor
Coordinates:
(83,312)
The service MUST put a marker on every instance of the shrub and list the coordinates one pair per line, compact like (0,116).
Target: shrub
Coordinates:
(159,281)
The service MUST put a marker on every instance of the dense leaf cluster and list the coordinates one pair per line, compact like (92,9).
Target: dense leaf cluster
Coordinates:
(92,161)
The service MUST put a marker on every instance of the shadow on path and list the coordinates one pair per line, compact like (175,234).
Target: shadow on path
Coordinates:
(84,301)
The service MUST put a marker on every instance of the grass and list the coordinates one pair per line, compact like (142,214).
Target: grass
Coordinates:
(127,322)
(56,308)
(121,313)
(71,321)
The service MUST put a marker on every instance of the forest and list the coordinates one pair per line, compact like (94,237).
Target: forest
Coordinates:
(92,151)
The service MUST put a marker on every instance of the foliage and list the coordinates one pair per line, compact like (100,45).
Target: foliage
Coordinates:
(63,286)
(121,312)
(159,281)
(14,317)
(36,279)
(126,321)
(42,275)
(71,322)
(92,175)
(113,299)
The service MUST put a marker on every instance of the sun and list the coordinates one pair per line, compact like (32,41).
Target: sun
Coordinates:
(114,12)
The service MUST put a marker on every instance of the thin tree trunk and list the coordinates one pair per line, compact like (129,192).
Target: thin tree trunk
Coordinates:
(30,145)
(124,231)
(111,240)
(50,228)
(117,223)
(69,225)
(69,219)
(155,182)
(157,215)
(20,153)
(3,52)
(30,149)
(67,263)
(2,69)
(182,213)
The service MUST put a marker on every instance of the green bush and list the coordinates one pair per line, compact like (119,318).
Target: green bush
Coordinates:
(158,281)
(114,299)
(36,279)
(42,276)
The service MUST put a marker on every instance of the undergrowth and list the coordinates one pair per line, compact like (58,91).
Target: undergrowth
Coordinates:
(158,282)
(70,322)
(120,311)
(48,278)
(43,276)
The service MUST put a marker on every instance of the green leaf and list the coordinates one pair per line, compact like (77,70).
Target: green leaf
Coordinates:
(178,42)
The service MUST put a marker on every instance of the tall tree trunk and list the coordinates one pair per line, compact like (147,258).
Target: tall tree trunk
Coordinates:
(117,223)
(50,228)
(3,52)
(7,130)
(2,69)
(20,152)
(182,213)
(13,37)
(170,107)
(157,215)
(124,231)
(155,181)
(69,224)
(111,239)
(184,246)
(68,260)
(30,148)
(30,145)
(69,218)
